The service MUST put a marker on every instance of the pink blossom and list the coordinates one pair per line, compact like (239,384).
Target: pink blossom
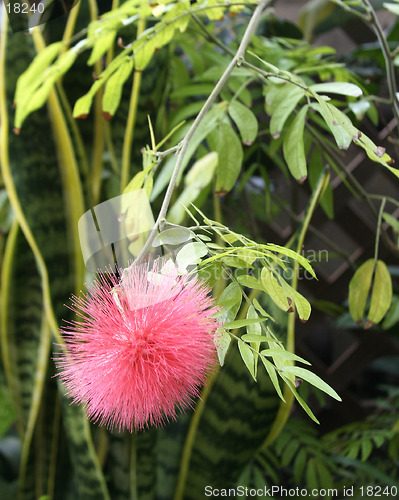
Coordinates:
(143,347)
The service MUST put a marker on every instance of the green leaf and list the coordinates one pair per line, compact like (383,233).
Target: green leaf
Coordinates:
(35,71)
(34,97)
(228,146)
(114,86)
(301,304)
(367,448)
(359,108)
(245,120)
(137,182)
(101,44)
(252,337)
(197,179)
(173,236)
(294,147)
(392,7)
(283,354)
(339,124)
(292,254)
(393,314)
(381,296)
(232,325)
(311,476)
(144,49)
(271,370)
(287,103)
(254,330)
(341,88)
(392,221)
(250,282)
(310,377)
(359,287)
(190,254)
(299,464)
(274,289)
(222,342)
(230,301)
(299,399)
(248,357)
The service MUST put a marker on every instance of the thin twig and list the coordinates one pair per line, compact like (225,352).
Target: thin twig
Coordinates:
(236,61)
(390,70)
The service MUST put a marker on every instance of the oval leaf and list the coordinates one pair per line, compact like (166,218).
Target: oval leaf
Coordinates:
(312,379)
(359,287)
(294,147)
(245,120)
(381,296)
(248,357)
(173,236)
(190,254)
(222,342)
(341,88)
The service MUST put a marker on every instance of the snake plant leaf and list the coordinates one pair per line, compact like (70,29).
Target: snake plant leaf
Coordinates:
(21,318)
(33,175)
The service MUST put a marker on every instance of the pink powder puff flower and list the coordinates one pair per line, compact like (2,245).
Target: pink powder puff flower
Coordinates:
(143,347)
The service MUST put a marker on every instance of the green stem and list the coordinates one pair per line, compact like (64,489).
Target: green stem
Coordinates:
(390,69)
(98,142)
(131,119)
(12,192)
(377,237)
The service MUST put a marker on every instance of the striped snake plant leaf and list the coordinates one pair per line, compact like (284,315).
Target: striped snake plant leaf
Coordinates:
(21,332)
(39,197)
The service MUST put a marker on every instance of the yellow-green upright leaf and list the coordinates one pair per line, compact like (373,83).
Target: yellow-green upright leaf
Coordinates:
(113,89)
(301,304)
(34,73)
(359,287)
(101,45)
(381,296)
(273,288)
